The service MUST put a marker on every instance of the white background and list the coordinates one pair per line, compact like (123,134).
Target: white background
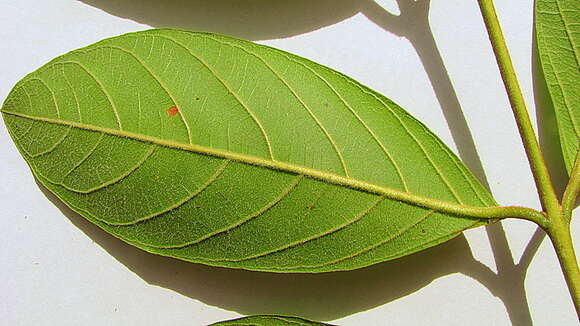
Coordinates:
(56,269)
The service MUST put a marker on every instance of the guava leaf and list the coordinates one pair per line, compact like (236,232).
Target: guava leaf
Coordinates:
(219,151)
(558,40)
(269,321)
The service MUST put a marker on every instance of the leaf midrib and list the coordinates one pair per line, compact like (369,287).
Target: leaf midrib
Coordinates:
(395,194)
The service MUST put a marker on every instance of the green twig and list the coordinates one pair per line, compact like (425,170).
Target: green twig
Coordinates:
(558,225)
(572,189)
(542,178)
(559,233)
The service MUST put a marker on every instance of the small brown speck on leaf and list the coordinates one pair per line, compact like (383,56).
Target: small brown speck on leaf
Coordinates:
(172,111)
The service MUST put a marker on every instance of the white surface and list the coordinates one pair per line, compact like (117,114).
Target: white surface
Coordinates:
(62,271)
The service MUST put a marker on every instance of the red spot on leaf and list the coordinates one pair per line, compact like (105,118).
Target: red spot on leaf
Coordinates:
(172,111)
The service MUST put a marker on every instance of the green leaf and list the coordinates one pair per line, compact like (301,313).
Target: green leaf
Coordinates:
(269,321)
(224,152)
(558,39)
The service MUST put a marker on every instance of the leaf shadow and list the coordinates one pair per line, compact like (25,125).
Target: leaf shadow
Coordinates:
(247,19)
(330,295)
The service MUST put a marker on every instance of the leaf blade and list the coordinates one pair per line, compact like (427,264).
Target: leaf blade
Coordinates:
(558,39)
(343,148)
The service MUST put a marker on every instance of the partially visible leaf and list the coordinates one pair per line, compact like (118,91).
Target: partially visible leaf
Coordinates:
(268,321)
(558,39)
(224,152)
